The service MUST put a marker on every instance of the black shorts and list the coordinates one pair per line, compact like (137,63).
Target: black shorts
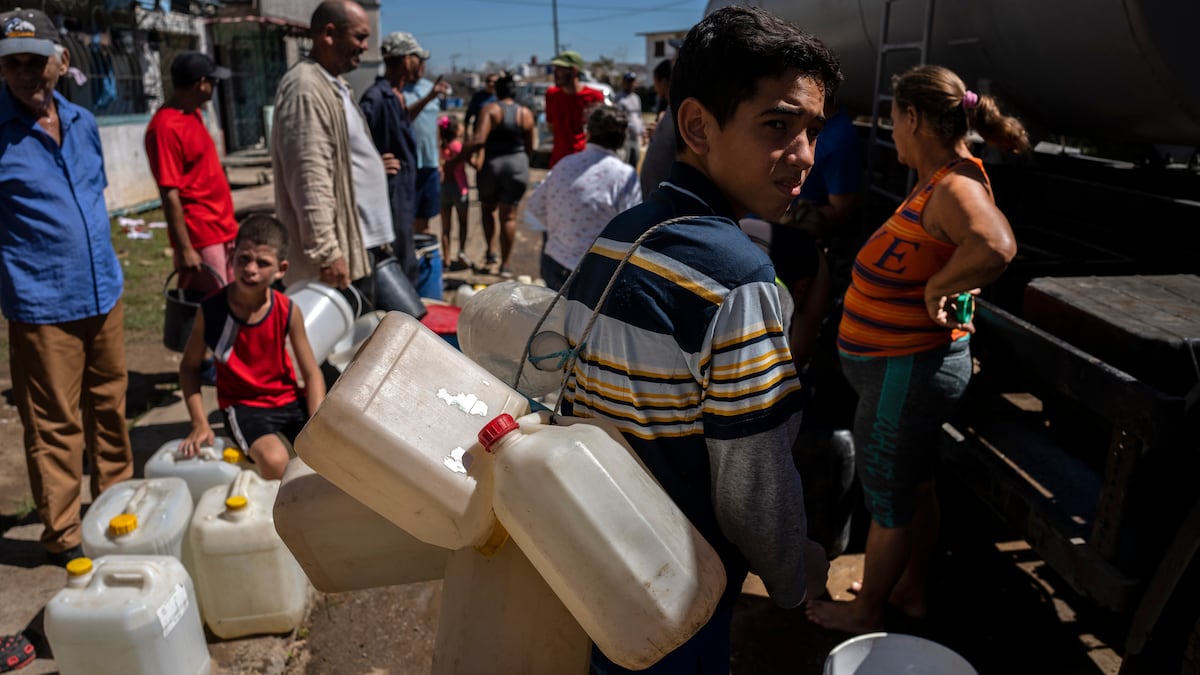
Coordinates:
(246,424)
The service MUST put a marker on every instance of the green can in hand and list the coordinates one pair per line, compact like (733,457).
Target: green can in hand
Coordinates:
(962,308)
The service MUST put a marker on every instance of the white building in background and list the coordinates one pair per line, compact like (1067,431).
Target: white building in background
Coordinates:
(658,46)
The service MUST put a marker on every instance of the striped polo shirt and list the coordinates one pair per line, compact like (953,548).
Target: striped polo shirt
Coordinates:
(884,310)
(689,350)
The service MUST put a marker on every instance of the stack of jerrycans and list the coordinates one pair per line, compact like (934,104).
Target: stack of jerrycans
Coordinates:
(398,433)
(133,609)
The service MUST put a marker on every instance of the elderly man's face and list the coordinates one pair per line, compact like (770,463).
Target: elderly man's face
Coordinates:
(32,78)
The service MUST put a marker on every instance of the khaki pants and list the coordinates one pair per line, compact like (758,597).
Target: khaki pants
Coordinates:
(69,384)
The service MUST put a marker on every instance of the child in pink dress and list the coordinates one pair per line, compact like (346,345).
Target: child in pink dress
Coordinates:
(454,190)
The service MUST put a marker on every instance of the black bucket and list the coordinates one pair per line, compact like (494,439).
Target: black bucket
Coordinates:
(393,290)
(180,312)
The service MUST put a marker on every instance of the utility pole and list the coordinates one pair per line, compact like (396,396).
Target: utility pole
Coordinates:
(554,8)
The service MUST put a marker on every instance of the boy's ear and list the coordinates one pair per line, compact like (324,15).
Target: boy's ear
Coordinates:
(283,265)
(696,125)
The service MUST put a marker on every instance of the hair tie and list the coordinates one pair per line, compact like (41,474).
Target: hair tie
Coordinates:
(969,100)
(444,121)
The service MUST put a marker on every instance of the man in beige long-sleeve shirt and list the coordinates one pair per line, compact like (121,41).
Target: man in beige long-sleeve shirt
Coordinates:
(327,177)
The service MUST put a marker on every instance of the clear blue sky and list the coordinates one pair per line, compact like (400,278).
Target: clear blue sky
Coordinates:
(509,31)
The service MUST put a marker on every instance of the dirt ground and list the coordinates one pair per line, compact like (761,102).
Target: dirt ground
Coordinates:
(993,600)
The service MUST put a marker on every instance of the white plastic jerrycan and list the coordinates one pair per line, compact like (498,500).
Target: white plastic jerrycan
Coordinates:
(622,557)
(126,615)
(496,324)
(341,544)
(147,517)
(212,466)
(398,432)
(246,579)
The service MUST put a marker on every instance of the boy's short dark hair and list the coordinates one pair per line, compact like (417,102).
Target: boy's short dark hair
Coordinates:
(263,229)
(608,126)
(725,55)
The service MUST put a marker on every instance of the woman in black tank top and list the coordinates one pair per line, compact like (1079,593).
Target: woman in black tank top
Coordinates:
(506,134)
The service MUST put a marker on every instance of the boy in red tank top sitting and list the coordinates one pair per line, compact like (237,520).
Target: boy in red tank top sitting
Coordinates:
(248,325)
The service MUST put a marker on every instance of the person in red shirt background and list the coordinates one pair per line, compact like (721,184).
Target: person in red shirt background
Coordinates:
(191,181)
(567,106)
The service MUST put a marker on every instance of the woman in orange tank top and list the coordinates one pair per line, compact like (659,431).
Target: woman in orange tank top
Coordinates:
(902,347)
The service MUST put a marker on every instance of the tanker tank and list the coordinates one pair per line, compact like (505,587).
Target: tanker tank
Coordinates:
(1105,70)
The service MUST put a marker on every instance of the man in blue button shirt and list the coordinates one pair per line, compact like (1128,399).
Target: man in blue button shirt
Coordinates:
(60,283)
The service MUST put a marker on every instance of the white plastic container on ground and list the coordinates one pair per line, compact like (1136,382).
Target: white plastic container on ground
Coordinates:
(891,653)
(398,432)
(622,557)
(247,581)
(139,517)
(208,468)
(126,615)
(343,545)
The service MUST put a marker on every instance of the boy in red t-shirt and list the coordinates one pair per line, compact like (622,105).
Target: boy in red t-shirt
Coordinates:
(248,325)
(196,200)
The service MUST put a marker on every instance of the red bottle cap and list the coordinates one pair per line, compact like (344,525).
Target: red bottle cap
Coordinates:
(496,429)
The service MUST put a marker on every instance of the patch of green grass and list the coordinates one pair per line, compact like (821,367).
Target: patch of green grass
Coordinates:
(147,264)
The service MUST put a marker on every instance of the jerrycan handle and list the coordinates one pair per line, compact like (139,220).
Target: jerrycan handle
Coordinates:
(135,502)
(240,487)
(133,579)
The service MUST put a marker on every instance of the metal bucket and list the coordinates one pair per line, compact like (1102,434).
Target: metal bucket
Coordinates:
(181,306)
(394,291)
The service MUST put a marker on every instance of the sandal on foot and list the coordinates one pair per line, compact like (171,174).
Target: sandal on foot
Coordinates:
(15,652)
(491,258)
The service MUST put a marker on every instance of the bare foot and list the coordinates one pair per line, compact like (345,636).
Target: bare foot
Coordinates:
(911,604)
(848,617)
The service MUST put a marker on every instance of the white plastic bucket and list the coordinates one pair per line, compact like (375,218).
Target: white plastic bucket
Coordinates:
(126,615)
(139,517)
(207,468)
(343,545)
(892,653)
(246,579)
(625,561)
(345,349)
(398,432)
(328,317)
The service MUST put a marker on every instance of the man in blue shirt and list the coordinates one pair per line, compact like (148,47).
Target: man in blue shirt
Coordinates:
(60,283)
(418,95)
(383,107)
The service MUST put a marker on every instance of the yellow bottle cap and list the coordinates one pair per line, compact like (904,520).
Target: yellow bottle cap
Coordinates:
(122,524)
(236,502)
(479,287)
(79,567)
(232,455)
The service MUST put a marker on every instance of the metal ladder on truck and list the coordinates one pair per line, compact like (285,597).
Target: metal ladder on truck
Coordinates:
(880,98)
